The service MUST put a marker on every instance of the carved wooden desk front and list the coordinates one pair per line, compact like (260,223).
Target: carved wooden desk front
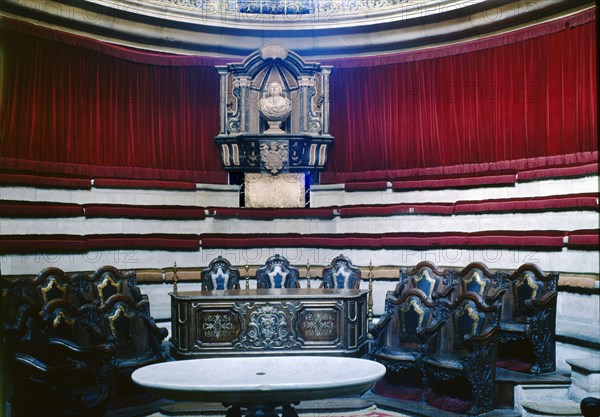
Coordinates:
(269,321)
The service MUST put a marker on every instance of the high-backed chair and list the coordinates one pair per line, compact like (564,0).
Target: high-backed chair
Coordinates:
(105,282)
(220,275)
(29,295)
(340,273)
(402,336)
(476,278)
(137,338)
(529,319)
(277,273)
(425,277)
(49,284)
(464,357)
(60,364)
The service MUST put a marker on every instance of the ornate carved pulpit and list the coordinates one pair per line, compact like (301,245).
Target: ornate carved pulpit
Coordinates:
(274,124)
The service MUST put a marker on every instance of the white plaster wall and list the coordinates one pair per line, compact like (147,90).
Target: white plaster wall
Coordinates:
(334,195)
(574,261)
(568,307)
(321,195)
(205,195)
(564,220)
(227,196)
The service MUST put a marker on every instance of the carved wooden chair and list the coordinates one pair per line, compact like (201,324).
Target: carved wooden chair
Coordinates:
(529,315)
(402,337)
(103,283)
(220,275)
(29,295)
(60,364)
(138,340)
(341,274)
(49,284)
(277,273)
(425,277)
(464,354)
(476,278)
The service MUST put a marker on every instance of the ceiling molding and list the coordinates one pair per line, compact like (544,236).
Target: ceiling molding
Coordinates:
(159,25)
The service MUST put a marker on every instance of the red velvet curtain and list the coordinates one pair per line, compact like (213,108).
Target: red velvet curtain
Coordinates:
(70,104)
(535,97)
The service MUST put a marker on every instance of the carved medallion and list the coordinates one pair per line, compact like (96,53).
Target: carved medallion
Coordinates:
(318,324)
(217,326)
(269,327)
(274,156)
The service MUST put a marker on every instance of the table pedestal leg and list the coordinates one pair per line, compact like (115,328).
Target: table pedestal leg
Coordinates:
(289,411)
(261,411)
(233,411)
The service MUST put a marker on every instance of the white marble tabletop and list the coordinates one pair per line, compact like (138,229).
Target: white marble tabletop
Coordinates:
(255,380)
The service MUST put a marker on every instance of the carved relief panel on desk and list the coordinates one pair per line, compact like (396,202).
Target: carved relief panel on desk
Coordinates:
(268,326)
(293,321)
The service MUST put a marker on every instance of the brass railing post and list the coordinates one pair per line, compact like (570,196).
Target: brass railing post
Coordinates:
(370,300)
(175,278)
(247,276)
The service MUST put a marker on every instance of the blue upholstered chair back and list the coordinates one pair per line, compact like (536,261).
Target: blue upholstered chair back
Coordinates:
(220,275)
(277,273)
(341,274)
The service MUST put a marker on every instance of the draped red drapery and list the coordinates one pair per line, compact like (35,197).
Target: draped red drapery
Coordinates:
(531,98)
(75,105)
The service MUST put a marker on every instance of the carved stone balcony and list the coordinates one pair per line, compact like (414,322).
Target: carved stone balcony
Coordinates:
(274,154)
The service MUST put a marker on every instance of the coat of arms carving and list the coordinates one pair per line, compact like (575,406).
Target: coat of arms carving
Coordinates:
(274,156)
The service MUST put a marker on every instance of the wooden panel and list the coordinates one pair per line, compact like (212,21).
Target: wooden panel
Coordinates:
(269,321)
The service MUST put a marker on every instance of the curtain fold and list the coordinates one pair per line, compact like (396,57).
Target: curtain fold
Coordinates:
(85,107)
(71,105)
(531,98)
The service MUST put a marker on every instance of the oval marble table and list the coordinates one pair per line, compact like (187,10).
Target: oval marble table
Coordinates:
(259,384)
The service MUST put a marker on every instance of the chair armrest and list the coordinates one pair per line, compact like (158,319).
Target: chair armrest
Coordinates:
(108,348)
(496,297)
(159,332)
(375,330)
(545,302)
(481,339)
(432,330)
(445,294)
(40,366)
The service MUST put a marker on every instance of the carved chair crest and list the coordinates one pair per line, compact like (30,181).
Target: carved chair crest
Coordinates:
(531,286)
(52,284)
(122,325)
(477,279)
(108,281)
(277,273)
(341,274)
(425,277)
(220,275)
(473,317)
